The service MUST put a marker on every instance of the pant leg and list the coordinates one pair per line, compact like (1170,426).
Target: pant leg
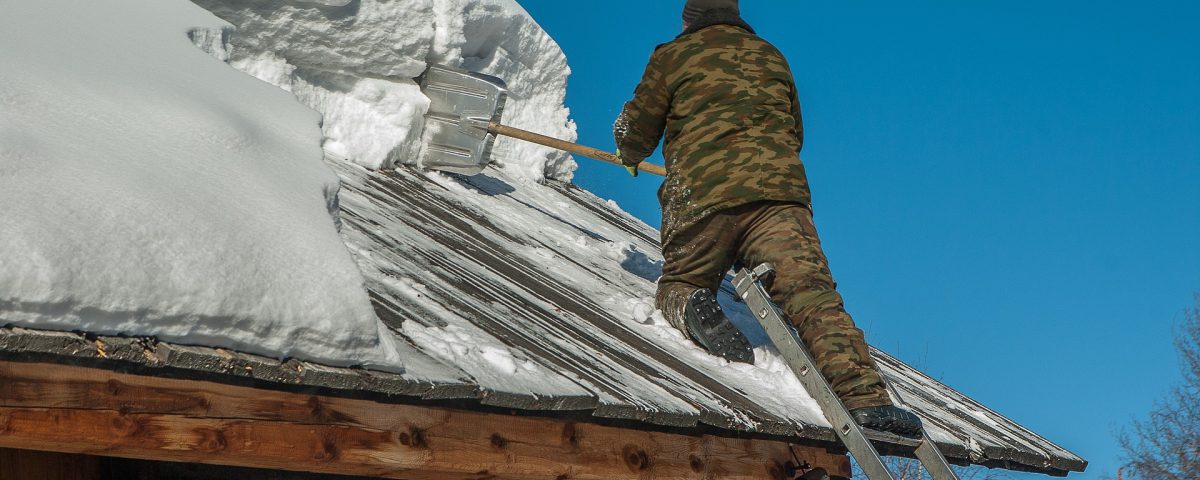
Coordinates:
(695,258)
(784,235)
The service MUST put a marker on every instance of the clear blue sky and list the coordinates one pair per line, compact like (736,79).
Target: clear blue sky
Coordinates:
(1008,191)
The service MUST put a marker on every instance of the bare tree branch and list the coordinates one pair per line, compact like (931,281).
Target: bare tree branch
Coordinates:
(1166,445)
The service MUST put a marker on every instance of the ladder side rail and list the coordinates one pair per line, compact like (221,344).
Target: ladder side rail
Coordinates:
(797,357)
(927,453)
(932,459)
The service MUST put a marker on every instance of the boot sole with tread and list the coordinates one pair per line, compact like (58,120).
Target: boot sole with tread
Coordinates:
(708,327)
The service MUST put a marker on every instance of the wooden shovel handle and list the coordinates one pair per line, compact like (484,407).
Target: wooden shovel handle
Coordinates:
(552,142)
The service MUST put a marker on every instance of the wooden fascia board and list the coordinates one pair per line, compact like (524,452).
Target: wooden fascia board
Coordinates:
(73,409)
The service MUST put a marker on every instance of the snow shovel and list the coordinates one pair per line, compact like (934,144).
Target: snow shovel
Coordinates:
(464,120)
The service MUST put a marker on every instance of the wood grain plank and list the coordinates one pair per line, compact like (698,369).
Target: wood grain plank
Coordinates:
(99,412)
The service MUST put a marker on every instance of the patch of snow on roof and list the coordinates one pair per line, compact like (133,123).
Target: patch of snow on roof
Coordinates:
(356,64)
(151,190)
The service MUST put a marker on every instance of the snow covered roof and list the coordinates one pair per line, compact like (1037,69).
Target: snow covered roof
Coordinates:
(532,297)
(559,281)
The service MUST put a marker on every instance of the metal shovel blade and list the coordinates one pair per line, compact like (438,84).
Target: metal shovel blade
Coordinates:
(461,105)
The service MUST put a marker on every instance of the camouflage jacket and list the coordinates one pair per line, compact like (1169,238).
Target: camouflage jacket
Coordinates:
(727,103)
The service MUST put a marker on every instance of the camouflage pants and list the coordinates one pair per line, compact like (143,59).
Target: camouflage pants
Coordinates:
(783,234)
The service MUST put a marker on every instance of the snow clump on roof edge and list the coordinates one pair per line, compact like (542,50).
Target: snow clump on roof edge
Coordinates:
(355,63)
(152,191)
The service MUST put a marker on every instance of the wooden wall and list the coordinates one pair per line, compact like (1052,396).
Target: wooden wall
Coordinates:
(85,411)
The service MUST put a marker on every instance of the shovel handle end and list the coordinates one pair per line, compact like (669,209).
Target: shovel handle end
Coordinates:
(652,168)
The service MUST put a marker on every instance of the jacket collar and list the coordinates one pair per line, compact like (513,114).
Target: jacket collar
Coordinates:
(719,16)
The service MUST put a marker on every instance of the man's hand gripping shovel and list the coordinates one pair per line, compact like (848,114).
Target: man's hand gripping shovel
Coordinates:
(464,119)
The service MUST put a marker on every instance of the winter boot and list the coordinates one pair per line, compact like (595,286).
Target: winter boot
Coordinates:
(888,418)
(708,327)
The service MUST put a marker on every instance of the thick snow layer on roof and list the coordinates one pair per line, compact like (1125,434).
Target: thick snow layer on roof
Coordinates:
(148,189)
(356,64)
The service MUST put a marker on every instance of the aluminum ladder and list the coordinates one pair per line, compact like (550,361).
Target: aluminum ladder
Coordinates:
(749,286)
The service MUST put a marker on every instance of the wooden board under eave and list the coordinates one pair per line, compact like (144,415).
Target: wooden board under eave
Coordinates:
(100,412)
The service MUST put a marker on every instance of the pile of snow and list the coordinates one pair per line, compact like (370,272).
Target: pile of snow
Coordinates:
(151,190)
(355,63)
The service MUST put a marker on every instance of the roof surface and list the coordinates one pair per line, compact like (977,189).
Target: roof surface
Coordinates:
(484,281)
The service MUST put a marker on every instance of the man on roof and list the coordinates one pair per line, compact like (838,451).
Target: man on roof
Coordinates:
(736,191)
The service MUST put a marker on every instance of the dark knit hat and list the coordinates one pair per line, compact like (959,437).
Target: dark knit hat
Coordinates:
(693,8)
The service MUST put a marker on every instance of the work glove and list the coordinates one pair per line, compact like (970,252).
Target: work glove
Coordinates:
(633,170)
